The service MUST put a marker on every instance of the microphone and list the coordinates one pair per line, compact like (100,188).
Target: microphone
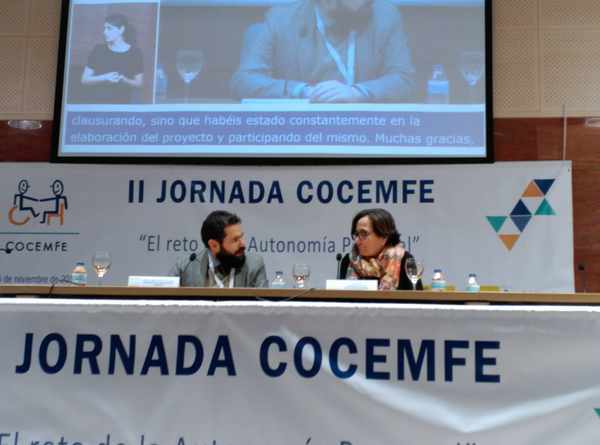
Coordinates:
(6,250)
(338,258)
(193,257)
(581,268)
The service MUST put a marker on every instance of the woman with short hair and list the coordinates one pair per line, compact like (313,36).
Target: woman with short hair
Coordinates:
(377,252)
(114,69)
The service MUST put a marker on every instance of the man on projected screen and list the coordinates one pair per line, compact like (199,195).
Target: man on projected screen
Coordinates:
(327,51)
(224,262)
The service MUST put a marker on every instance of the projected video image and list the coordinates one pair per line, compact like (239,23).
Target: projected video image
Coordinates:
(112,53)
(278,79)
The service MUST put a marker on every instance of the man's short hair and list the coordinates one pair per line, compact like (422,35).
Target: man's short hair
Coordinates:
(215,223)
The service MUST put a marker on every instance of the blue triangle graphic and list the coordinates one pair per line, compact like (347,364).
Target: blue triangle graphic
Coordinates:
(521,221)
(544,184)
(496,222)
(545,209)
(520,210)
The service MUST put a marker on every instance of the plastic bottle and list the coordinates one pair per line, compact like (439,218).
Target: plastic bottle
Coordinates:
(162,83)
(472,284)
(438,87)
(278,282)
(438,283)
(79,274)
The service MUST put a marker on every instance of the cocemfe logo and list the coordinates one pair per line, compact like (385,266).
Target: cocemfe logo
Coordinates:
(532,203)
(28,208)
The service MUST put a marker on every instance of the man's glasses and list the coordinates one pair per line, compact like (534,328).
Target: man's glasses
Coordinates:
(361,234)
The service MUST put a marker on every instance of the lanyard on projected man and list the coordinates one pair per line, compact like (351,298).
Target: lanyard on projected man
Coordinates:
(211,269)
(347,71)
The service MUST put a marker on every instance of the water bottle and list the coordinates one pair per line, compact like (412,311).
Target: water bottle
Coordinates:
(438,283)
(278,282)
(79,274)
(162,83)
(438,87)
(472,284)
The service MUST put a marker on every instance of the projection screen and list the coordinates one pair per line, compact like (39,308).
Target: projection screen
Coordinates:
(274,81)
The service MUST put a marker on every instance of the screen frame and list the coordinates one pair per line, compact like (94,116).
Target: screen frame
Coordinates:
(56,157)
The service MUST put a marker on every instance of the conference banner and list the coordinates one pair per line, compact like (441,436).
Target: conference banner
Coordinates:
(209,373)
(510,223)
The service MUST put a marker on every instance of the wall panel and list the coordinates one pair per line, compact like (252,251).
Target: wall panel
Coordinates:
(41,54)
(13,17)
(516,13)
(516,74)
(13,51)
(44,18)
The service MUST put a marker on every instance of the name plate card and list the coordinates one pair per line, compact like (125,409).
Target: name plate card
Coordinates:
(351,284)
(149,281)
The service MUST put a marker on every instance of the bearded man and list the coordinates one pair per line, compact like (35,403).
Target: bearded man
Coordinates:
(327,51)
(224,263)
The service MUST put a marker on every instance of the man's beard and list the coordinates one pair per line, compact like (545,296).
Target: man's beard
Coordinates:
(347,20)
(229,261)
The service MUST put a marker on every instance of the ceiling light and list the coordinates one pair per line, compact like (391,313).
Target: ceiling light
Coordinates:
(593,122)
(25,124)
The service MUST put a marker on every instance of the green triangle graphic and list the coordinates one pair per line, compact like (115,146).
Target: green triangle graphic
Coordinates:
(597,411)
(496,222)
(545,209)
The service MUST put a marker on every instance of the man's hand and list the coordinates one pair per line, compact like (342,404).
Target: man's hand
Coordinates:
(332,91)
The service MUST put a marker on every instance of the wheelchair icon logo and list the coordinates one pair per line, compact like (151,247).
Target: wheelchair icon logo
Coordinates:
(28,208)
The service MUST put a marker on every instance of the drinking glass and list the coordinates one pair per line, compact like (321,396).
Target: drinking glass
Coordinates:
(414,271)
(189,63)
(101,264)
(301,273)
(472,64)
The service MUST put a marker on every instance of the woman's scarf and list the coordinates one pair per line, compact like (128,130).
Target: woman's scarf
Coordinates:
(385,267)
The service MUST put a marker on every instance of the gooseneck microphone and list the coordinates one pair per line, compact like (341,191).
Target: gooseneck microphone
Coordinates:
(193,257)
(338,258)
(581,268)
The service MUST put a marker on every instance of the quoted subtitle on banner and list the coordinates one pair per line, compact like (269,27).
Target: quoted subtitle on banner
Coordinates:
(21,438)
(155,242)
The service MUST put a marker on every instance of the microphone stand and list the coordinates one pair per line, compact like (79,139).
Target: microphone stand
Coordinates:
(193,257)
(7,251)
(338,258)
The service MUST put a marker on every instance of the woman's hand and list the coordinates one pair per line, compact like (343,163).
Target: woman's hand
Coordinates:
(136,82)
(112,77)
(89,77)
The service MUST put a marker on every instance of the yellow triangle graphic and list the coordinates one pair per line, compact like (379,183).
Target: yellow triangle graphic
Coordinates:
(509,240)
(532,191)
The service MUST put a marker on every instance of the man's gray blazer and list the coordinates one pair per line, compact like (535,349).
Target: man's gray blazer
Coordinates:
(281,53)
(194,273)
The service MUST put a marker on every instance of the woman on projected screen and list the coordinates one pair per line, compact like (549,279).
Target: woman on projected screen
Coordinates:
(114,70)
(377,253)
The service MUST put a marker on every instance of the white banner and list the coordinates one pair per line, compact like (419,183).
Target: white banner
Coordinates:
(269,373)
(510,223)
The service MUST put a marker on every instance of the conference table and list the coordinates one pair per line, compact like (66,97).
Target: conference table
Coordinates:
(114,365)
(312,294)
